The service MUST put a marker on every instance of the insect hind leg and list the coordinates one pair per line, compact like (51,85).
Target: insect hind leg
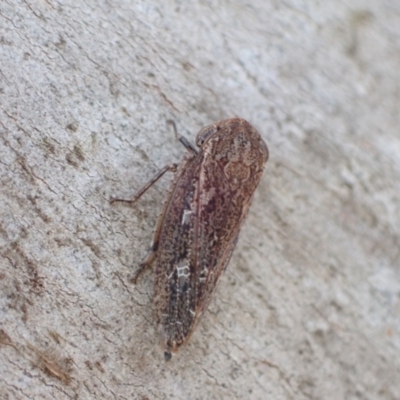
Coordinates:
(146,263)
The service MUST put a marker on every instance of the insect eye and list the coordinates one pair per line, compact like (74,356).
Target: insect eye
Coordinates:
(205,134)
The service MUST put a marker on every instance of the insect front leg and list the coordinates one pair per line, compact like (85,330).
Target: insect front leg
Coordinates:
(186,142)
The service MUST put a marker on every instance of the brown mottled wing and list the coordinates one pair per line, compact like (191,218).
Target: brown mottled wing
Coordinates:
(236,157)
(189,258)
(218,226)
(175,280)
(197,220)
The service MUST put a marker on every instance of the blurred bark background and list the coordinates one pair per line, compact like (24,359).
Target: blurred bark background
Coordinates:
(309,306)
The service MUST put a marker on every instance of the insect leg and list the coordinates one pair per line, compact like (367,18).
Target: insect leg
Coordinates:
(153,248)
(150,256)
(190,146)
(151,182)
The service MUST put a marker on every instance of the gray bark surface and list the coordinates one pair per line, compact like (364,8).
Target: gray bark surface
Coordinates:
(309,307)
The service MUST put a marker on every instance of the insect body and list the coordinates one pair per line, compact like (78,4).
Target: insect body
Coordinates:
(200,222)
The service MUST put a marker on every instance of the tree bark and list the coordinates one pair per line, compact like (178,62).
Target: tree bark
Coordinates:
(309,306)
